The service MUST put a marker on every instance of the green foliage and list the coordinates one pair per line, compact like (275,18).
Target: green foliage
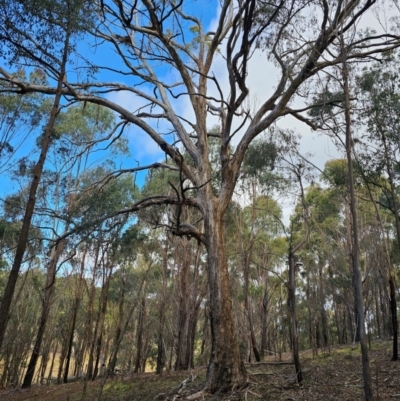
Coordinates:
(20,115)
(335,173)
(96,202)
(325,104)
(34,32)
(259,162)
(323,203)
(159,182)
(84,123)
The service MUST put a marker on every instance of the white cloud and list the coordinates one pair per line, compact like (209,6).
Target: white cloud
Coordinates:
(143,148)
(262,79)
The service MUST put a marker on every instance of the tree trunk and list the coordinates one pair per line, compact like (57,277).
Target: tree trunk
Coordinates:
(30,206)
(71,339)
(50,279)
(246,256)
(53,357)
(293,321)
(195,302)
(99,343)
(226,369)
(182,337)
(98,336)
(118,329)
(392,280)
(75,308)
(354,332)
(324,319)
(98,329)
(161,351)
(114,352)
(247,305)
(264,319)
(355,248)
(139,342)
(64,349)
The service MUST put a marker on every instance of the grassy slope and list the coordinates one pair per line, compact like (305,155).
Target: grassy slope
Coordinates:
(329,376)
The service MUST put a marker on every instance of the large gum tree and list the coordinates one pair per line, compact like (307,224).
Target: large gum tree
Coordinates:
(164,57)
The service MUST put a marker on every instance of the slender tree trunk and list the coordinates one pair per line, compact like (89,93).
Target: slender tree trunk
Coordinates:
(293,321)
(292,280)
(48,290)
(139,342)
(114,352)
(75,308)
(354,332)
(247,305)
(121,303)
(63,354)
(30,206)
(247,254)
(324,319)
(192,323)
(71,339)
(98,337)
(6,367)
(355,248)
(161,351)
(182,336)
(194,307)
(90,332)
(91,374)
(264,319)
(392,279)
(52,362)
(99,344)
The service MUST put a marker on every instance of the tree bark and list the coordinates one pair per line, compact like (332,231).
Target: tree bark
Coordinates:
(98,329)
(161,351)
(392,279)
(30,206)
(195,302)
(139,341)
(50,279)
(355,248)
(293,321)
(324,319)
(182,337)
(292,279)
(53,357)
(226,369)
(75,308)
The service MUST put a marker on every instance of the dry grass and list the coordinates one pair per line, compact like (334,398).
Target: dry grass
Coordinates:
(329,376)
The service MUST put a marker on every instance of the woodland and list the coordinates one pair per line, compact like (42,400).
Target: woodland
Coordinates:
(159,213)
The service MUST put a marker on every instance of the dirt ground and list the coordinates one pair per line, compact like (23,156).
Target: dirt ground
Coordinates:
(333,375)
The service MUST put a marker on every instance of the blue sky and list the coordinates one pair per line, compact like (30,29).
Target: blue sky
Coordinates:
(262,79)
(143,150)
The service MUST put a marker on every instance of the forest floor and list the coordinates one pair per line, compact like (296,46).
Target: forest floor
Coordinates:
(332,375)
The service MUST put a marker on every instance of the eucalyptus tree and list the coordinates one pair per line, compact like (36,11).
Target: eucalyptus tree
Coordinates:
(297,171)
(186,267)
(340,126)
(19,118)
(380,102)
(75,137)
(255,220)
(321,253)
(149,37)
(39,34)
